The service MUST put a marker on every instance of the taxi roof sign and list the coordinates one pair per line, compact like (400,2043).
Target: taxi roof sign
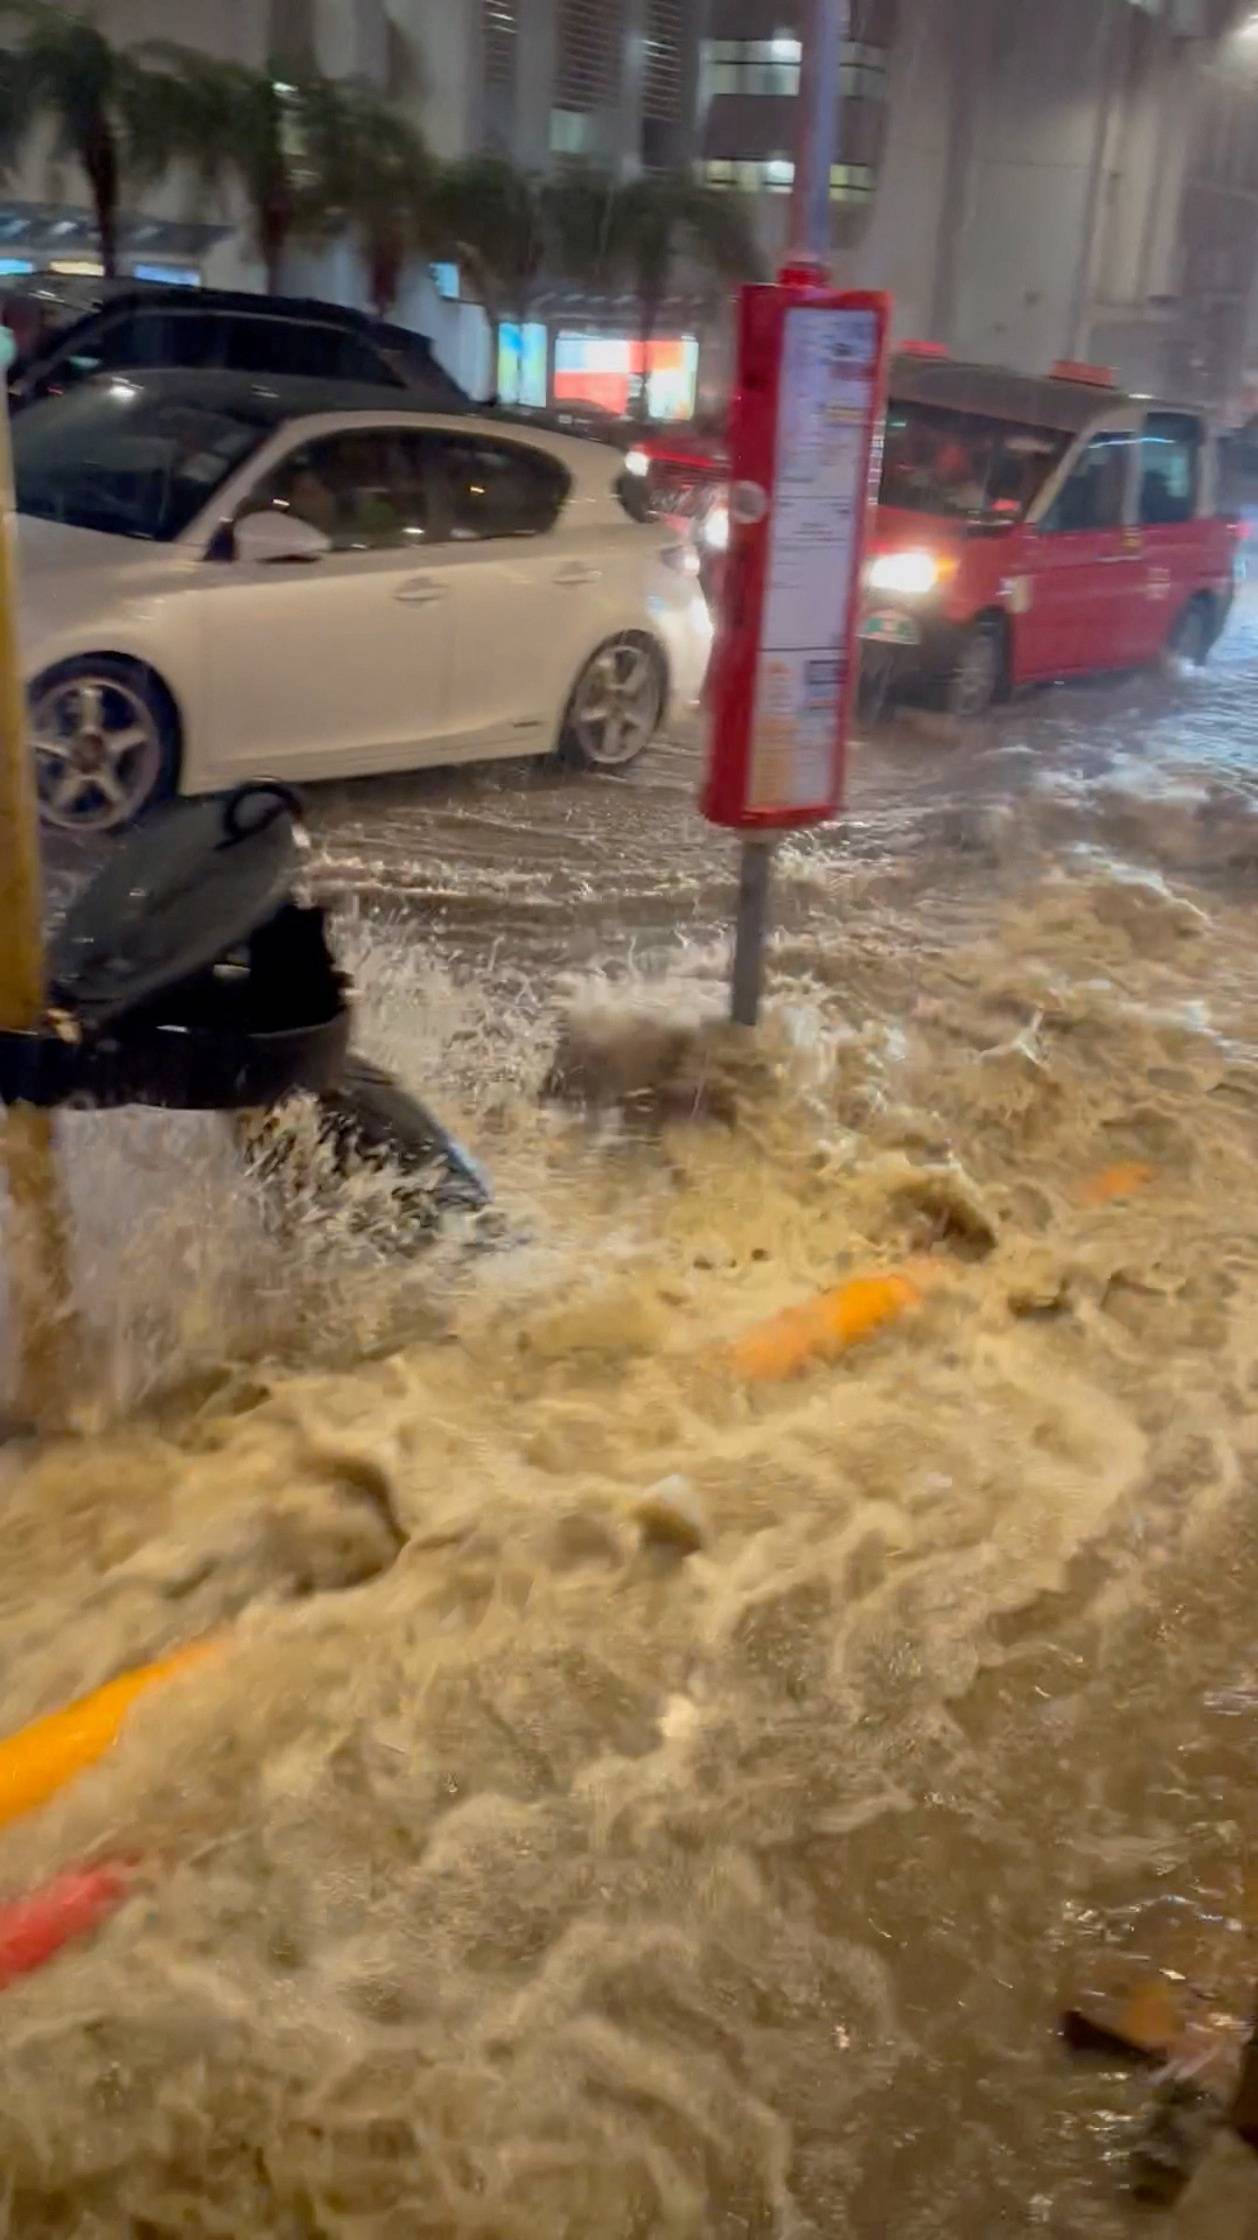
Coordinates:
(1091,377)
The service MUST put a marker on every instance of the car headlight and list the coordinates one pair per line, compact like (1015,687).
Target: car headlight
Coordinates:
(911,573)
(637,461)
(715,530)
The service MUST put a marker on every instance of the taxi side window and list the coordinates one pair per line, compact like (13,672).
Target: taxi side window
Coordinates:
(1094,494)
(1170,468)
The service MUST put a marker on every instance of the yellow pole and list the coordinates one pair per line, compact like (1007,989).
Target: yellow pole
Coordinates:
(39,1281)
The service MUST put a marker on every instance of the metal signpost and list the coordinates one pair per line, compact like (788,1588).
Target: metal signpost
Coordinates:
(803,422)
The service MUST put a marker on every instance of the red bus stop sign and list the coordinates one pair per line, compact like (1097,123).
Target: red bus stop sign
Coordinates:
(805,441)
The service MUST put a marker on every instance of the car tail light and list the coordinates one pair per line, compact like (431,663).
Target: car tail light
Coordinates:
(923,350)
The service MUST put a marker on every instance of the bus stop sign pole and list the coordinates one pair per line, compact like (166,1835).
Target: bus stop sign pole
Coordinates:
(805,411)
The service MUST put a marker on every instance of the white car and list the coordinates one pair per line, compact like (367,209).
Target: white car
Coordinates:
(226,577)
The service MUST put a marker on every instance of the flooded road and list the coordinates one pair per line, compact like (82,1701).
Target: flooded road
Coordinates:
(525,1868)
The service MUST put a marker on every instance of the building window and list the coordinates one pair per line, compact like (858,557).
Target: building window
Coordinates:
(772,66)
(614,370)
(662,73)
(573,132)
(501,30)
(849,182)
(591,45)
(752,65)
(523,362)
(500,39)
(852,182)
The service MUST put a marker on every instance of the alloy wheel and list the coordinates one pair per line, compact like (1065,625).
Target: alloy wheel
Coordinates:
(616,707)
(98,753)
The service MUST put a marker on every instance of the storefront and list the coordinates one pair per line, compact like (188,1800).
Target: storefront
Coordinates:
(49,237)
(568,355)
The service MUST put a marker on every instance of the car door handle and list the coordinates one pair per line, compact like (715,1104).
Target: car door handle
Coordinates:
(421,591)
(576,574)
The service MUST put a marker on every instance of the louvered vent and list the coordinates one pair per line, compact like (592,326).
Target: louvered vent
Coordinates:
(591,39)
(501,30)
(662,77)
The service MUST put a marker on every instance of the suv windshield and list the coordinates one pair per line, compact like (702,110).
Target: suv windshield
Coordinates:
(941,461)
(117,458)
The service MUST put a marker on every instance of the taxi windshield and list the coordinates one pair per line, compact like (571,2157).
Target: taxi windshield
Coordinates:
(941,461)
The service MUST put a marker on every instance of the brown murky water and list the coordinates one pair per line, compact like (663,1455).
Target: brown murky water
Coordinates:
(513,1875)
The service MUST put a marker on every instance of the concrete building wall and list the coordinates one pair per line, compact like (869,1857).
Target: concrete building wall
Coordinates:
(1053,180)
(914,216)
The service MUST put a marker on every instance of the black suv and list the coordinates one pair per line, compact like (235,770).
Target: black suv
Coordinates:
(156,326)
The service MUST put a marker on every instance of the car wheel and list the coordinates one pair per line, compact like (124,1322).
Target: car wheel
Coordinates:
(106,743)
(1193,634)
(617,704)
(978,671)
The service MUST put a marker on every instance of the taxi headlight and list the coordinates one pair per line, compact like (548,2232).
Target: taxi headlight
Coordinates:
(912,574)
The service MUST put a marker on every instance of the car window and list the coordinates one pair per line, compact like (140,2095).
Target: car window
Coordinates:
(1094,494)
(98,346)
(359,360)
(297,346)
(115,458)
(1170,468)
(484,490)
(940,460)
(365,488)
(140,338)
(408,359)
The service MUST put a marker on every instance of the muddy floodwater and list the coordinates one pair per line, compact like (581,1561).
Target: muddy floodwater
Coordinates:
(545,1857)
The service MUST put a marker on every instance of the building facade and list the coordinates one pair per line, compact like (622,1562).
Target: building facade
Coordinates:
(1029,182)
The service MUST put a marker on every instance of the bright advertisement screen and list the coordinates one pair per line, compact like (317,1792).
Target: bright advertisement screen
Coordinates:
(522,362)
(608,369)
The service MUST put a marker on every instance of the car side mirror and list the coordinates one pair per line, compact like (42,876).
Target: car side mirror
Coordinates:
(273,536)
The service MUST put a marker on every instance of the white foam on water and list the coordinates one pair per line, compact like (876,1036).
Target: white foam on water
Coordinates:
(544,1880)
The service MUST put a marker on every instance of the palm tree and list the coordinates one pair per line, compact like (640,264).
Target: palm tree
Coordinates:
(376,177)
(255,126)
(578,210)
(661,218)
(493,219)
(106,108)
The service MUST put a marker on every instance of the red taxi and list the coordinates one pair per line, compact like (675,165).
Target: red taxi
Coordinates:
(1033,528)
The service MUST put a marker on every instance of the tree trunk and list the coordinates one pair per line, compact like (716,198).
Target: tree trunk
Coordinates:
(386,261)
(275,224)
(475,268)
(99,156)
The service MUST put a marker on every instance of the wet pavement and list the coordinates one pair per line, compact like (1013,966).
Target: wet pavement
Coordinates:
(532,859)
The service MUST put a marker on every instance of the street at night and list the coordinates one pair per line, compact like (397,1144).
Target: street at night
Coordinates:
(628,1099)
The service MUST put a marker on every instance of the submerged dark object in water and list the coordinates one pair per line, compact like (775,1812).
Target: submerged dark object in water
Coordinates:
(368,1121)
(372,1118)
(193,973)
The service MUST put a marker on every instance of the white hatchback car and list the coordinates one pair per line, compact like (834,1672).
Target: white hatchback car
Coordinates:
(225,577)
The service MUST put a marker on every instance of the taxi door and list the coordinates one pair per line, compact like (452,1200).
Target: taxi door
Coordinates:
(1177,542)
(1084,590)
